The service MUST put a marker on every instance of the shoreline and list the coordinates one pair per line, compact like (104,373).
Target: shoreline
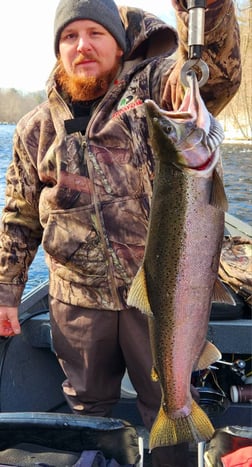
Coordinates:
(248,142)
(226,140)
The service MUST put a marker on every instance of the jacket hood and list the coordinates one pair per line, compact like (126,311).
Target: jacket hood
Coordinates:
(146,35)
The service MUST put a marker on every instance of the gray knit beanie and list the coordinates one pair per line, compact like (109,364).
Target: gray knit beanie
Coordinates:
(104,12)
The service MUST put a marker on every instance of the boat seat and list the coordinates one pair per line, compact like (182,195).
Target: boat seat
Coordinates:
(225,441)
(44,437)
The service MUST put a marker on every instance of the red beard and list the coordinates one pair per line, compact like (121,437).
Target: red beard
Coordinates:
(81,88)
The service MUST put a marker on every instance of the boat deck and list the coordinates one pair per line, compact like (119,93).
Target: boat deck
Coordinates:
(34,382)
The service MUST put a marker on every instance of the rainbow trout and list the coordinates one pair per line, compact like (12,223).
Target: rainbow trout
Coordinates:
(179,275)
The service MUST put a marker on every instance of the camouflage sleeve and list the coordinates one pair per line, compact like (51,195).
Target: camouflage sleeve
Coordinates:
(221,53)
(21,231)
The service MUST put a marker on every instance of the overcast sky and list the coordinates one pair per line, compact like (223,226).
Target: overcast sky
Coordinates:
(26,39)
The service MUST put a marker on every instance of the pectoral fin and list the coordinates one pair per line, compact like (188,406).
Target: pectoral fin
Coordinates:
(218,195)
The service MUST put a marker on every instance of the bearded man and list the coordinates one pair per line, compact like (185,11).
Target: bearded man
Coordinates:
(80,183)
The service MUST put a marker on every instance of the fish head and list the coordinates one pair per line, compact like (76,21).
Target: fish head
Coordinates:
(189,137)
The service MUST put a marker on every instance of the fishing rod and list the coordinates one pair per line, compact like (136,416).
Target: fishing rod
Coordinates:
(196,28)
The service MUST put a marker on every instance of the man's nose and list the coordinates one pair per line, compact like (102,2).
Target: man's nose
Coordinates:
(83,44)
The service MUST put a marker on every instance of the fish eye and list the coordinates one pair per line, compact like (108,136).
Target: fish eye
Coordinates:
(167,127)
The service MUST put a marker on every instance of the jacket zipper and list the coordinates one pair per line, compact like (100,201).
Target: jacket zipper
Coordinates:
(92,164)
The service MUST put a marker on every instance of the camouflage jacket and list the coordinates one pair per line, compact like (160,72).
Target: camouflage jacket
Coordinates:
(86,198)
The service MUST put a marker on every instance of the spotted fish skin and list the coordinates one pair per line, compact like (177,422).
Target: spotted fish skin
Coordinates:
(176,282)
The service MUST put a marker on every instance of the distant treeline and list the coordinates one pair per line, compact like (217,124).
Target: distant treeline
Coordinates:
(14,104)
(236,117)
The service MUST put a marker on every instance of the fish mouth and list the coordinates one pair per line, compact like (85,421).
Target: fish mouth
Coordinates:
(190,133)
(192,108)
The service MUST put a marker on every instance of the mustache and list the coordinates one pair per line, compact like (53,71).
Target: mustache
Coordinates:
(80,58)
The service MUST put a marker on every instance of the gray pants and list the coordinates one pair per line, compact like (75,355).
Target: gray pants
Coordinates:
(94,347)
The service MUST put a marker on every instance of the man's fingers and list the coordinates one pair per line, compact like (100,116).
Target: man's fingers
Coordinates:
(9,323)
(6,328)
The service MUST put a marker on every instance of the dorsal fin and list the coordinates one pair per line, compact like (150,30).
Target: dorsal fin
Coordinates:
(138,296)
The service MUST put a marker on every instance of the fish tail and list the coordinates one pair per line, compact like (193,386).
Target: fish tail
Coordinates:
(193,428)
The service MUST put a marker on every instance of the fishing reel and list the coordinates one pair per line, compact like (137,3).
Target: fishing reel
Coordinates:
(237,366)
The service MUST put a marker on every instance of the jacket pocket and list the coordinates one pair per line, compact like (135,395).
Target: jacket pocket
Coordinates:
(71,239)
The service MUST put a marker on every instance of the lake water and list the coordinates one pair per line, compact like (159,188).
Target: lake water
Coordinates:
(237,163)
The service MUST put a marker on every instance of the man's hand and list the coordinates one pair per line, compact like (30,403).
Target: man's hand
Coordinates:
(9,324)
